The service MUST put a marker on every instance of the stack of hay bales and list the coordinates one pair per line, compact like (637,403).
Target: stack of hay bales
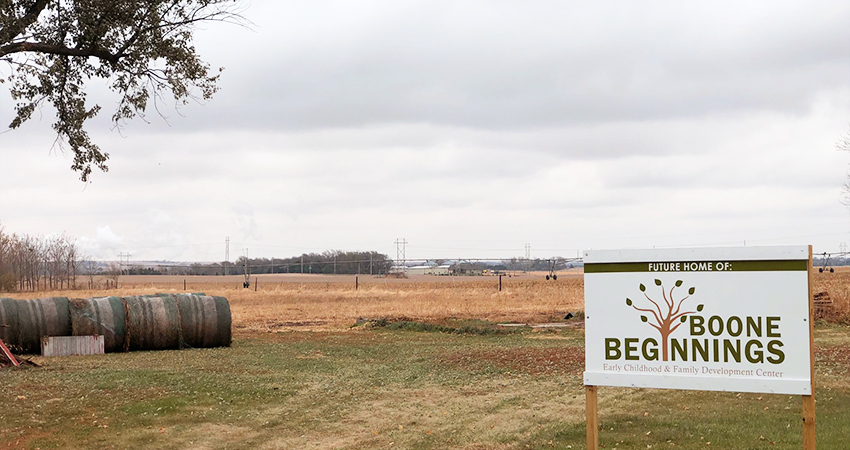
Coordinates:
(148,322)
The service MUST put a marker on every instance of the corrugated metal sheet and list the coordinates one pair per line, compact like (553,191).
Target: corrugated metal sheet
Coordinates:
(72,345)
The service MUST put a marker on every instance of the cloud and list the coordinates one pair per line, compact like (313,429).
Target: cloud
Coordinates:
(105,245)
(247,223)
(535,64)
(471,129)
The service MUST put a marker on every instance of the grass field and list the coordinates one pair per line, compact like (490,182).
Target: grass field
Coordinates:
(300,376)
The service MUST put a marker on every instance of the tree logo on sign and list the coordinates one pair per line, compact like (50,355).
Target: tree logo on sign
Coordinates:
(665,316)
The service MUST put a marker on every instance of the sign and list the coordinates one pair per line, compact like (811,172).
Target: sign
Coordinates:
(717,319)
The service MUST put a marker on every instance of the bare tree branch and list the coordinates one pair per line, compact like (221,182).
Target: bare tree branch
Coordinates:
(142,48)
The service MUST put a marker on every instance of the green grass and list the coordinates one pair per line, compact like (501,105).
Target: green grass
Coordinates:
(450,325)
(392,388)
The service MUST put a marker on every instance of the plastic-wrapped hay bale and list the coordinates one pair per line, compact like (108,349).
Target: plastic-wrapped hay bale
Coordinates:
(104,316)
(42,317)
(205,320)
(153,323)
(9,321)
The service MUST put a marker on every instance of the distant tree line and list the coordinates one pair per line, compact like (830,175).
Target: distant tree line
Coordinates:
(145,271)
(31,263)
(329,262)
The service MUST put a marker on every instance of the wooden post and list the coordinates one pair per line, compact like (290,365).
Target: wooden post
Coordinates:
(184,284)
(256,282)
(356,283)
(592,418)
(500,283)
(809,422)
(809,400)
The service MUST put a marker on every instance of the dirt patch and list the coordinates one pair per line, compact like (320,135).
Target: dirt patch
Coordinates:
(352,336)
(20,438)
(527,360)
(836,358)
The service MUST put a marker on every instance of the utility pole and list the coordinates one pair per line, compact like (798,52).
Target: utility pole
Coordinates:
(226,254)
(302,264)
(400,248)
(527,257)
(247,271)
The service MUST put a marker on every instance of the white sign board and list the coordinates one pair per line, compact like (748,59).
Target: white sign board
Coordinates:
(717,319)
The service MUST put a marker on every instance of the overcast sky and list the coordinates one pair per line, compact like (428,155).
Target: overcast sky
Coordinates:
(470,129)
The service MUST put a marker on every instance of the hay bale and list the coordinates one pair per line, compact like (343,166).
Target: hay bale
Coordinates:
(205,320)
(100,316)
(42,317)
(153,323)
(9,321)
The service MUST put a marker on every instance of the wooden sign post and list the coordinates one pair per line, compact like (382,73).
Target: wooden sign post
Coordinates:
(715,319)
(592,417)
(809,400)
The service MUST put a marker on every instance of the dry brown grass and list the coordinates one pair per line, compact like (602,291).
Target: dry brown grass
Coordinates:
(286,304)
(326,302)
(340,305)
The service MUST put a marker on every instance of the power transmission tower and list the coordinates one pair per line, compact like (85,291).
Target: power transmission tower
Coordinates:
(400,248)
(123,259)
(226,254)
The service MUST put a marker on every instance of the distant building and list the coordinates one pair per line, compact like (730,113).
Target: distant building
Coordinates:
(428,270)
